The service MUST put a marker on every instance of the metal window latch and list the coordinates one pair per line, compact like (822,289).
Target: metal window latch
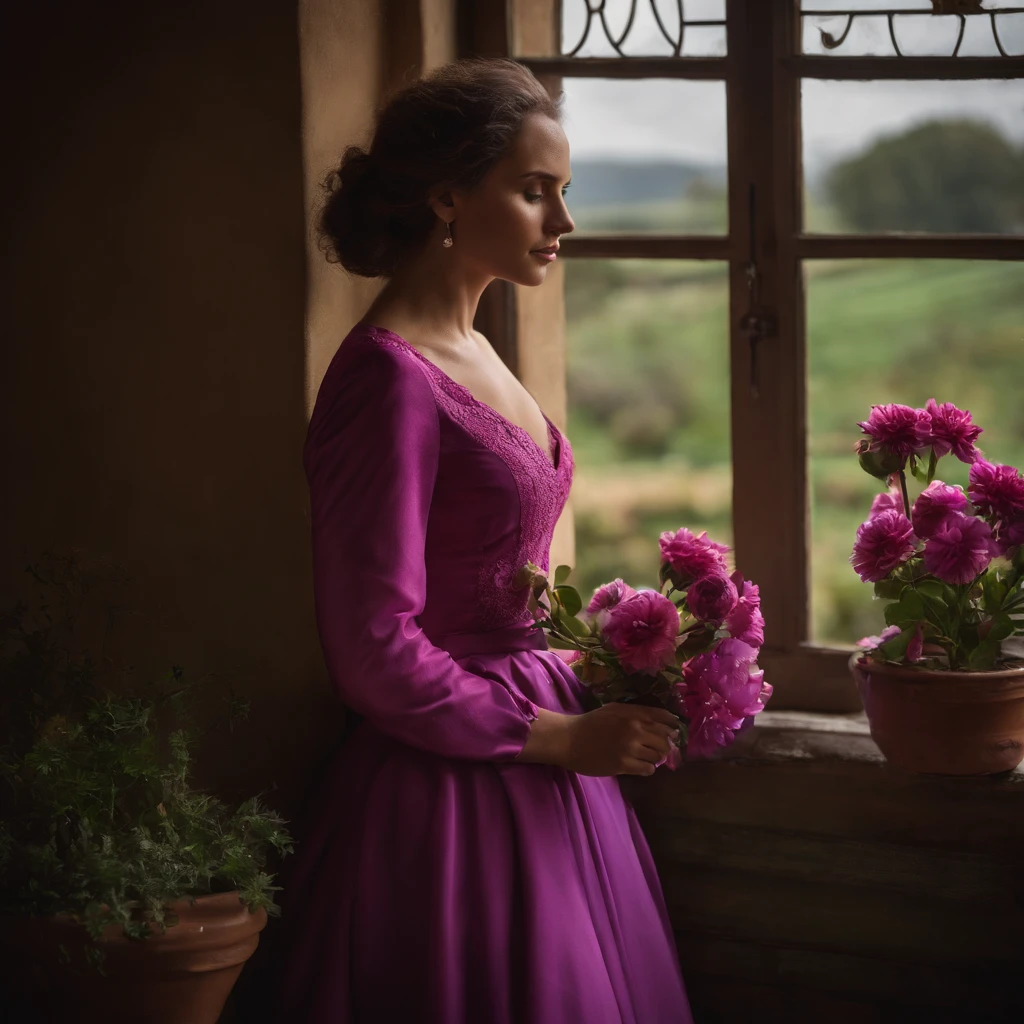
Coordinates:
(758,322)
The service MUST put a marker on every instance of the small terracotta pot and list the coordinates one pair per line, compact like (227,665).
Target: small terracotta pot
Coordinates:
(941,722)
(183,976)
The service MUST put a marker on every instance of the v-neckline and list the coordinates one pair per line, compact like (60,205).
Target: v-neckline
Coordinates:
(554,464)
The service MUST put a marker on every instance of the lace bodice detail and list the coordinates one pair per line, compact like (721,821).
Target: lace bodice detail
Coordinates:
(543,485)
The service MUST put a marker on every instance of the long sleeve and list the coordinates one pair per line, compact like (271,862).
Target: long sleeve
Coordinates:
(371,459)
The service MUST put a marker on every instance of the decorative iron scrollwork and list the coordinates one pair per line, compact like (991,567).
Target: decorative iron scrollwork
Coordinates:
(596,12)
(961,9)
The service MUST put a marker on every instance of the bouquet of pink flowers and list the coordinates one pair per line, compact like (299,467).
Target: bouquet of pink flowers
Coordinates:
(694,654)
(951,563)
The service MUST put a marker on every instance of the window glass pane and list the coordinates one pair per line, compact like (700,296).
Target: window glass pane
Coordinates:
(648,379)
(643,36)
(914,156)
(648,156)
(883,331)
(917,35)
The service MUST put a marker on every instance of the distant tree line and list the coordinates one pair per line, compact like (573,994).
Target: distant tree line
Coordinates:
(941,176)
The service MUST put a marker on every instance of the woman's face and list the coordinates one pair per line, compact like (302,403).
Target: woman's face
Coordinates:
(518,208)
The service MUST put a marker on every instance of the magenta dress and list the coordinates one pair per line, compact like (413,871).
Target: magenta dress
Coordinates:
(442,882)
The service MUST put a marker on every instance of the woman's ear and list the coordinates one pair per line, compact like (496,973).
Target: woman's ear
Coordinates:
(442,204)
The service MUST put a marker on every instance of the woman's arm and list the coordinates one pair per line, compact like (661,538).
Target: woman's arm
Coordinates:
(371,459)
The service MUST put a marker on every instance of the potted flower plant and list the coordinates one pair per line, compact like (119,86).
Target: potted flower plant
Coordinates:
(943,683)
(690,647)
(127,893)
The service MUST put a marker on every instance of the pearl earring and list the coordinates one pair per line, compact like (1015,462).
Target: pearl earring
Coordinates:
(448,242)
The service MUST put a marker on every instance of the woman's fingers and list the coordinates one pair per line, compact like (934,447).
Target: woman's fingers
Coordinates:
(654,749)
(662,717)
(668,731)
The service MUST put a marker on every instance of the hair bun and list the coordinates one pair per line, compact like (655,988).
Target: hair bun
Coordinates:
(352,231)
(355,170)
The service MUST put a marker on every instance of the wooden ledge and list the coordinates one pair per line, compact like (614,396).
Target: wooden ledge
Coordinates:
(822,774)
(809,880)
(787,736)
(781,736)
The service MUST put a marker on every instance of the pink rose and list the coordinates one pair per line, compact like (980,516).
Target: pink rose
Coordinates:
(711,598)
(745,622)
(1009,536)
(642,630)
(691,557)
(606,597)
(897,429)
(998,494)
(883,542)
(952,431)
(933,504)
(871,642)
(997,491)
(722,688)
(960,548)
(890,499)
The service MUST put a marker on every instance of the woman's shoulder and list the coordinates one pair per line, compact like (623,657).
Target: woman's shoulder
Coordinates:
(372,362)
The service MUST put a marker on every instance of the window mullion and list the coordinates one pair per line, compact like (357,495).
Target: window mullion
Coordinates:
(769,435)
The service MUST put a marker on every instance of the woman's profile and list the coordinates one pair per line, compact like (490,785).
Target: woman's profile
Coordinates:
(471,859)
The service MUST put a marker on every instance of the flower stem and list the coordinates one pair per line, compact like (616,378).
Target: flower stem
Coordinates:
(903,488)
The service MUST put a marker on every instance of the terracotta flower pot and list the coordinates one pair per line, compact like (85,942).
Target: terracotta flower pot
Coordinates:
(183,976)
(941,722)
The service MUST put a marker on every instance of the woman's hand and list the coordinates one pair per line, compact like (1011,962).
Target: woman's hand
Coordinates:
(615,739)
(620,739)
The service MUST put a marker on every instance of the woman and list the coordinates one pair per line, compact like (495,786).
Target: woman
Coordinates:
(472,859)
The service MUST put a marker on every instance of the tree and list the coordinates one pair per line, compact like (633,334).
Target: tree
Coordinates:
(945,176)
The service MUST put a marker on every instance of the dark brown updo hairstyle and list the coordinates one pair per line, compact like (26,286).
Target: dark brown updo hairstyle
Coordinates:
(448,129)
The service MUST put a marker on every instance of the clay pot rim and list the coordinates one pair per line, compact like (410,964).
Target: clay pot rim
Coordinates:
(912,674)
(204,903)
(212,922)
(206,900)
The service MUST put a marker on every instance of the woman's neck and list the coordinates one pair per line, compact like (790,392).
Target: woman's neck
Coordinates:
(437,304)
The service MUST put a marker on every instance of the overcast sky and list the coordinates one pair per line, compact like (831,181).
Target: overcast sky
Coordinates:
(685,120)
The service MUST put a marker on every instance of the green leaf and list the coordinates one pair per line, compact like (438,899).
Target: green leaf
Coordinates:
(562,574)
(889,590)
(936,605)
(576,626)
(993,591)
(931,588)
(909,609)
(879,464)
(1015,597)
(570,599)
(984,656)
(896,648)
(932,464)
(916,470)
(558,644)
(1002,627)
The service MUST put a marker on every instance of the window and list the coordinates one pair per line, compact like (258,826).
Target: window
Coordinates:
(787,261)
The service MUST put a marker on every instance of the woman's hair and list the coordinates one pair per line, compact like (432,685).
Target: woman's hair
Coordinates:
(447,129)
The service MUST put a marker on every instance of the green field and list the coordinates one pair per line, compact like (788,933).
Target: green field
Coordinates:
(649,400)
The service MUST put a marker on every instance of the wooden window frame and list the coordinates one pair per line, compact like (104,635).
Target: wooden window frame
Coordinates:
(762,71)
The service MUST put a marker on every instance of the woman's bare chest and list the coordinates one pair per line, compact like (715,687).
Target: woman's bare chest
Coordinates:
(489,381)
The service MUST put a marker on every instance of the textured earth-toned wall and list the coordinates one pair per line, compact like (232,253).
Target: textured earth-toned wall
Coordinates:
(153,376)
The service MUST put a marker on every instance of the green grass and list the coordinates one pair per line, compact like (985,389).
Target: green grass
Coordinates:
(708,216)
(651,337)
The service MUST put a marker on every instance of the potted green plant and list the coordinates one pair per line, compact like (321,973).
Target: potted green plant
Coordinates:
(127,893)
(943,684)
